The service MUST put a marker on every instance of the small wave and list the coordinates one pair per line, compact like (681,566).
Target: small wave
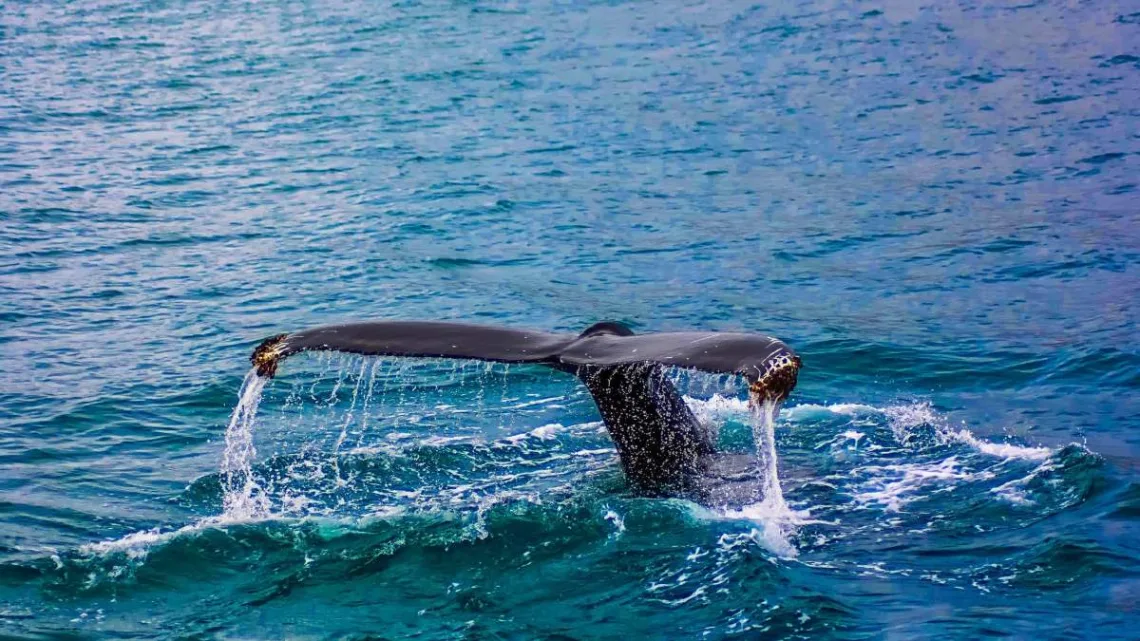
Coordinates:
(1001,450)
(1071,463)
(1054,563)
(904,421)
(224,543)
(137,545)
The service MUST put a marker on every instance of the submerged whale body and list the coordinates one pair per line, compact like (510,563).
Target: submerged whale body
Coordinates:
(663,449)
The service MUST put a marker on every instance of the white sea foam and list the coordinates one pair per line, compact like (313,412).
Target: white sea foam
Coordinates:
(890,487)
(435,440)
(616,519)
(548,401)
(905,419)
(137,545)
(542,433)
(893,486)
(807,410)
(1000,450)
(777,526)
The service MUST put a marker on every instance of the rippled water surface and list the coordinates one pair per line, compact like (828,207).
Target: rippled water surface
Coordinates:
(937,207)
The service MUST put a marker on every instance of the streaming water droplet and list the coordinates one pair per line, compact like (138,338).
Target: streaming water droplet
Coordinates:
(243,497)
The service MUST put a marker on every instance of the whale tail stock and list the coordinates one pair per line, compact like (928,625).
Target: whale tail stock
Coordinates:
(661,445)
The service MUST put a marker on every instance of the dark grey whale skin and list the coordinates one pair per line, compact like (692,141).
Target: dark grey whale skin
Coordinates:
(663,449)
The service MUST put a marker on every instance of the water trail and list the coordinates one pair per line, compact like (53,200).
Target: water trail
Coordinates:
(342,371)
(367,400)
(772,512)
(377,369)
(764,432)
(399,372)
(506,419)
(243,499)
(348,416)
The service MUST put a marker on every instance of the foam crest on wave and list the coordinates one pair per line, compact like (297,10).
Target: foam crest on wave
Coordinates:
(137,545)
(903,419)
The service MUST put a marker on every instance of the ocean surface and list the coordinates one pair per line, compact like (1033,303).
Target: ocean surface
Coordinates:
(937,207)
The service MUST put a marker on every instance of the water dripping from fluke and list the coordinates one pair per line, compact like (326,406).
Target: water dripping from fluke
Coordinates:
(243,499)
(777,521)
(663,449)
(764,431)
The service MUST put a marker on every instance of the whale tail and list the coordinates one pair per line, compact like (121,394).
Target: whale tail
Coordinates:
(661,445)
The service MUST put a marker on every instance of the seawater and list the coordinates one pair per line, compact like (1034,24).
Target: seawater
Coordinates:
(935,206)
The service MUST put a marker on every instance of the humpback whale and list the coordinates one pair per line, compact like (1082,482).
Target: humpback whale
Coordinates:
(662,448)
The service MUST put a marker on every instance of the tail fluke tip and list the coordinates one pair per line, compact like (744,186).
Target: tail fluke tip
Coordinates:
(267,354)
(778,379)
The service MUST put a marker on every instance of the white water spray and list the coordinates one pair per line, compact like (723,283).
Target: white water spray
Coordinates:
(764,433)
(776,519)
(244,498)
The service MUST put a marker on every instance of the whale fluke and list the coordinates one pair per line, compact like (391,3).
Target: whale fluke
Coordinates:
(662,447)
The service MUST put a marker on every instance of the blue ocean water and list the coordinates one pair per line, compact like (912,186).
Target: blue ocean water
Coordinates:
(936,206)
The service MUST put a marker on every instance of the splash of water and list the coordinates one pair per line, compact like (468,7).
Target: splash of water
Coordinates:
(764,433)
(777,521)
(244,498)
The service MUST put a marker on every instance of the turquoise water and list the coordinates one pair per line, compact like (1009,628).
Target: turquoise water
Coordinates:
(936,208)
